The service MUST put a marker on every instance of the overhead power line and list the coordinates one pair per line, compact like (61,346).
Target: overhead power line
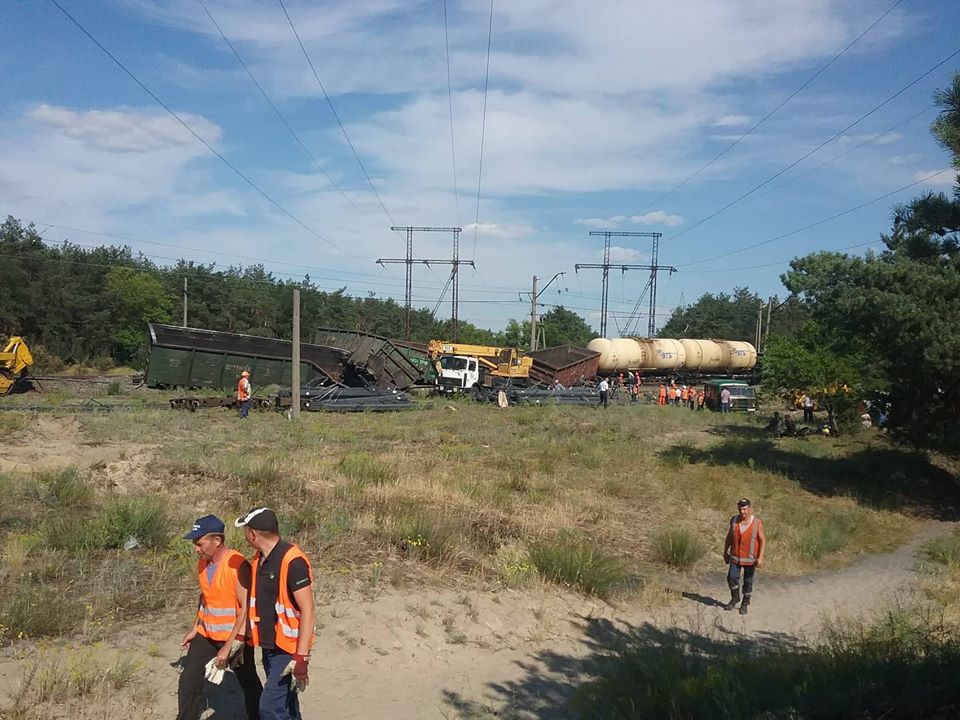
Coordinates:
(453,145)
(333,110)
(483,130)
(197,135)
(766,117)
(740,268)
(816,149)
(821,222)
(277,112)
(503,289)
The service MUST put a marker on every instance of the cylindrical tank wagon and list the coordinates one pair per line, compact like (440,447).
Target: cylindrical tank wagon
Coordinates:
(666,355)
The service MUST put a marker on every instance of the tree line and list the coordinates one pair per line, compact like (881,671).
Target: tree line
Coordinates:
(80,304)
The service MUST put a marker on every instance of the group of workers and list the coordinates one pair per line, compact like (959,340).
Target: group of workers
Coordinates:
(266,602)
(684,395)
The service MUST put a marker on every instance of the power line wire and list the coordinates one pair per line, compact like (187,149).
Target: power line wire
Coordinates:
(336,116)
(811,152)
(453,145)
(774,111)
(778,262)
(195,134)
(483,130)
(277,112)
(820,222)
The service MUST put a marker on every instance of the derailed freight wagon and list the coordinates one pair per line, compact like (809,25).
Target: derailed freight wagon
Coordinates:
(193,357)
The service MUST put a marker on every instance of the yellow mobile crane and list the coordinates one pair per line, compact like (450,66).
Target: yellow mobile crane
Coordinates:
(15,358)
(461,366)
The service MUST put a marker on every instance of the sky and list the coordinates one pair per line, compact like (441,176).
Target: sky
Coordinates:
(598,116)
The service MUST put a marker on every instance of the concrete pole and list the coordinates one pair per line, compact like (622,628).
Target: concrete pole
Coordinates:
(295,367)
(766,330)
(184,302)
(533,315)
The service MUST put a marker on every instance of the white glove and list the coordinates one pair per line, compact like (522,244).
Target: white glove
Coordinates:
(212,673)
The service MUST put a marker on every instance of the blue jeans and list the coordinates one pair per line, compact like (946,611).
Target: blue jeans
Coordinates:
(733,579)
(244,408)
(279,700)
(724,407)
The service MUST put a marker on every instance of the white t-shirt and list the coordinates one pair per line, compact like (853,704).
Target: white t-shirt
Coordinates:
(604,386)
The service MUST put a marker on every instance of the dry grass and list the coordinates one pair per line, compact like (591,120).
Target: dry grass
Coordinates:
(474,496)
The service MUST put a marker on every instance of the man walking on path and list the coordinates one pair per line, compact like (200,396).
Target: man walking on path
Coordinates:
(243,393)
(807,407)
(604,388)
(281,613)
(743,551)
(725,400)
(218,631)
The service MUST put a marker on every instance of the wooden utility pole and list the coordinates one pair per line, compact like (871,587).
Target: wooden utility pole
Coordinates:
(766,330)
(533,315)
(184,302)
(295,367)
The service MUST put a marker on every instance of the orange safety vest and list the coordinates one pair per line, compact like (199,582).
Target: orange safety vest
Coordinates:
(219,606)
(287,630)
(243,389)
(744,551)
(700,399)
(663,391)
(683,394)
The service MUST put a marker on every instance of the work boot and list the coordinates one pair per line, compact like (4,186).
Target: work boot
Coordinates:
(746,604)
(734,599)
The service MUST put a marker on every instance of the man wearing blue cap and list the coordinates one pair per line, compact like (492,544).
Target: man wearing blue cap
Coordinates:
(219,632)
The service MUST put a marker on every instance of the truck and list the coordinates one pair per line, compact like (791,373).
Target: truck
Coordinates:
(742,396)
(15,361)
(460,366)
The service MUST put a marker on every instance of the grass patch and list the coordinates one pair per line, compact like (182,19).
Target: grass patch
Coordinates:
(580,564)
(679,548)
(365,469)
(901,666)
(123,522)
(514,568)
(64,488)
(426,537)
(11,424)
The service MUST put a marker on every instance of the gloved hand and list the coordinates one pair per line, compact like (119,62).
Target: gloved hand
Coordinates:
(297,669)
(231,655)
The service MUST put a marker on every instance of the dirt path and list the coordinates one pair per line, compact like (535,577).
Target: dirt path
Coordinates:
(516,654)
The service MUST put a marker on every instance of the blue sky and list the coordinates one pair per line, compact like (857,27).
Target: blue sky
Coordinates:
(594,112)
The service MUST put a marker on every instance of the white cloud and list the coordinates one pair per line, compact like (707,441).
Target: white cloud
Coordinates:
(124,130)
(500,230)
(657,217)
(731,120)
(622,254)
(947,177)
(599,223)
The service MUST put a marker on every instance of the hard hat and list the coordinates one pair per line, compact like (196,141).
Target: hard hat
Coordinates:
(245,373)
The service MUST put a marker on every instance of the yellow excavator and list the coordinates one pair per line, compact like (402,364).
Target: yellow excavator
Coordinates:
(15,358)
(461,366)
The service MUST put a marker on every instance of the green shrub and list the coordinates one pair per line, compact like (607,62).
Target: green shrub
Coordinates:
(427,537)
(143,519)
(64,488)
(113,388)
(679,548)
(33,610)
(579,564)
(944,550)
(901,666)
(825,535)
(365,469)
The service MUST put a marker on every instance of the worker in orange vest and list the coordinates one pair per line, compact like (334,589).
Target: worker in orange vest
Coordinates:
(218,633)
(743,551)
(281,613)
(243,393)
(683,395)
(701,399)
(662,396)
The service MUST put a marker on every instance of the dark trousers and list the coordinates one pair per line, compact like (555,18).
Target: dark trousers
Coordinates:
(190,690)
(733,579)
(244,408)
(279,700)
(808,414)
(604,399)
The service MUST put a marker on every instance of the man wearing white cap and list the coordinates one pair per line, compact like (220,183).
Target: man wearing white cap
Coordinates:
(281,613)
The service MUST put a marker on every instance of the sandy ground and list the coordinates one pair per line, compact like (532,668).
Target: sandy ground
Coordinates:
(447,654)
